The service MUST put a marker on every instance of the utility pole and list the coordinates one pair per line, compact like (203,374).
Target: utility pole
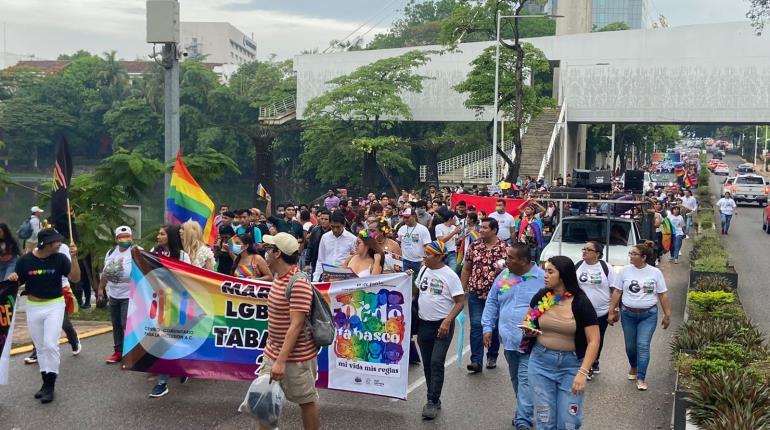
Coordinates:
(163,28)
(756,144)
(612,151)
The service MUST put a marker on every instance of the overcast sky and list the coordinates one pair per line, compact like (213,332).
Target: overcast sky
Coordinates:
(46,28)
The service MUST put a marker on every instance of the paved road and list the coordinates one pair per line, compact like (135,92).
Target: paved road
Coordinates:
(91,394)
(749,247)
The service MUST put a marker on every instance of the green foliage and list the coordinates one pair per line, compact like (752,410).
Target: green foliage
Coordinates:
(697,334)
(356,116)
(712,283)
(480,82)
(640,137)
(730,399)
(711,263)
(727,351)
(708,366)
(708,300)
(135,126)
(208,165)
(614,26)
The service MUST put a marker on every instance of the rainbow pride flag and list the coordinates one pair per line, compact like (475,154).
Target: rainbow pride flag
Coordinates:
(186,201)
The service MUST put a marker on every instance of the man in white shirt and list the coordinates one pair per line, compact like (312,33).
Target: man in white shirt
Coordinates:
(691,203)
(35,221)
(413,236)
(335,246)
(447,232)
(506,223)
(727,208)
(116,278)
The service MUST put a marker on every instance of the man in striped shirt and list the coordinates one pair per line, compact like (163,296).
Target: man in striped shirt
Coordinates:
(290,354)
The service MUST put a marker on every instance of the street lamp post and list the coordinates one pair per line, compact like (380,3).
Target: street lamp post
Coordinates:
(756,144)
(612,151)
(497,86)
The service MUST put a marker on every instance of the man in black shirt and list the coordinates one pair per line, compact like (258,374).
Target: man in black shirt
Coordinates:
(287,224)
(314,238)
(41,272)
(222,251)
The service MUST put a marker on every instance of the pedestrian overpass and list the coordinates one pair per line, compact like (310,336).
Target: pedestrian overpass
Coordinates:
(715,73)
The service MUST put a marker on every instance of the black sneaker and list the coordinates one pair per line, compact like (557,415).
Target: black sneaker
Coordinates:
(32,359)
(595,369)
(475,368)
(183,380)
(86,306)
(590,375)
(491,363)
(430,410)
(159,390)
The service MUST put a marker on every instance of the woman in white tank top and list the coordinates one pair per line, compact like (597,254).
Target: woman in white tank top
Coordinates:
(368,258)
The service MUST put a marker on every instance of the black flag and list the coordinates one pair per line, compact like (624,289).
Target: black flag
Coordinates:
(62,174)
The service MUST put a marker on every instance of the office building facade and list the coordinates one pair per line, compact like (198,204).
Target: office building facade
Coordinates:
(637,14)
(217,42)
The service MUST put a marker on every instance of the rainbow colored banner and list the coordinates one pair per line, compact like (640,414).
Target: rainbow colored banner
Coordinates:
(187,321)
(186,201)
(8,293)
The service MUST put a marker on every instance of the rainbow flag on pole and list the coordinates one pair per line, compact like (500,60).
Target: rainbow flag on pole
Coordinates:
(261,191)
(186,201)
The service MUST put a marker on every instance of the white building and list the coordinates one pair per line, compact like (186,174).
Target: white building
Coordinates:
(219,42)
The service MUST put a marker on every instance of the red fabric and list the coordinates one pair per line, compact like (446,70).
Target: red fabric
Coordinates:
(487,204)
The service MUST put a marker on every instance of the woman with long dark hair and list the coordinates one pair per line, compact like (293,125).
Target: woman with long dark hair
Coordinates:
(639,287)
(565,329)
(248,261)
(169,244)
(9,252)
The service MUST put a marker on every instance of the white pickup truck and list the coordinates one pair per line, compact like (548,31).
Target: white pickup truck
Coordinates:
(750,188)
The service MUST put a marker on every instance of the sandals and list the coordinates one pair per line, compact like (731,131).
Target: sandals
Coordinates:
(641,385)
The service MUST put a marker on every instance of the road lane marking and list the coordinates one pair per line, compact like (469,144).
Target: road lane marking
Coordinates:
(416,384)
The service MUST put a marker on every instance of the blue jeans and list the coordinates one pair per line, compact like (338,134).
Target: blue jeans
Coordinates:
(602,329)
(725,222)
(7,268)
(676,246)
(475,310)
(551,374)
(451,260)
(638,328)
(688,222)
(518,368)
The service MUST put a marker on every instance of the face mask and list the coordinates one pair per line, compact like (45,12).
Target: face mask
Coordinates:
(236,248)
(125,244)
(421,212)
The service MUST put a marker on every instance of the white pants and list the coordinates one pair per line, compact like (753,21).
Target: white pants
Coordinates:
(44,324)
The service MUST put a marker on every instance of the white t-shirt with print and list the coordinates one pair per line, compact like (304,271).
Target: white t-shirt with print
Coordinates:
(413,240)
(596,285)
(677,222)
(505,222)
(640,287)
(117,270)
(436,291)
(444,230)
(726,206)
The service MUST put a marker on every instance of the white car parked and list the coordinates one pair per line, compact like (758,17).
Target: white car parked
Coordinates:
(574,231)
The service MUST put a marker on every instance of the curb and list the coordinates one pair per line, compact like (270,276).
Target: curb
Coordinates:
(95,332)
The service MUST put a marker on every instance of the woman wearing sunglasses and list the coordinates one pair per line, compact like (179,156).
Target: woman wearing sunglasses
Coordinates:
(639,288)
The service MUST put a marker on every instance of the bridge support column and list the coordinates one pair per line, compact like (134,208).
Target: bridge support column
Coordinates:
(574,149)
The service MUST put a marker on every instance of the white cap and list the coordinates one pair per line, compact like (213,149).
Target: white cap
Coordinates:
(35,209)
(123,229)
(406,213)
(285,242)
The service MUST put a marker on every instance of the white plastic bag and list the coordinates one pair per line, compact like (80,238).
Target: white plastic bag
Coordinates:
(264,401)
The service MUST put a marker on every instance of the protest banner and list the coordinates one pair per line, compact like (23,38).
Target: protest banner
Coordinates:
(187,321)
(487,204)
(8,293)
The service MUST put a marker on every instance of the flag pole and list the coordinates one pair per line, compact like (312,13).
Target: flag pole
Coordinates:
(69,221)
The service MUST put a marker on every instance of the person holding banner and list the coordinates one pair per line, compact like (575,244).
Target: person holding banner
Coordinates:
(116,278)
(290,356)
(248,263)
(441,298)
(41,272)
(9,252)
(169,244)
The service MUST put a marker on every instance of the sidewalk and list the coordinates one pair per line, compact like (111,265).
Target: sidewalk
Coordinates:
(22,343)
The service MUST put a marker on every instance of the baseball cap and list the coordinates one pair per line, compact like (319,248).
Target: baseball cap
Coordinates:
(406,213)
(285,242)
(36,209)
(47,236)
(123,229)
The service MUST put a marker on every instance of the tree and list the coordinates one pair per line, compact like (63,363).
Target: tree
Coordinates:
(641,138)
(614,26)
(29,127)
(513,95)
(758,13)
(520,103)
(359,112)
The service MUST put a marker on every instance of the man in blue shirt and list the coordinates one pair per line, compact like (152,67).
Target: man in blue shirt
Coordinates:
(507,304)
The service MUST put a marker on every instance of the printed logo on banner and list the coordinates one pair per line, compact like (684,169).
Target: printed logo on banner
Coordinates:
(176,323)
